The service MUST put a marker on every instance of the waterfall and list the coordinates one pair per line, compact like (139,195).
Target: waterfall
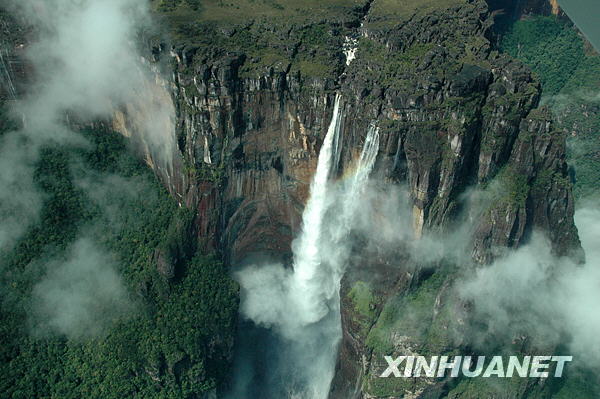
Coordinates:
(321,256)
(363,170)
(302,306)
(315,261)
(307,254)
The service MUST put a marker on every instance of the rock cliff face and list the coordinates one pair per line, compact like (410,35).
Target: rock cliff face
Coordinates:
(253,98)
(253,103)
(453,113)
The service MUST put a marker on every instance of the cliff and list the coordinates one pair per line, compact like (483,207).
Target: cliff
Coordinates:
(250,123)
(254,94)
(253,86)
(89,235)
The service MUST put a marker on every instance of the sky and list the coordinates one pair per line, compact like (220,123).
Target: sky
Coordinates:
(586,15)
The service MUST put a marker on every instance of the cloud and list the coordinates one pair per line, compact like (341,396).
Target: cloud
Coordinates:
(80,296)
(20,200)
(114,196)
(301,305)
(550,300)
(85,65)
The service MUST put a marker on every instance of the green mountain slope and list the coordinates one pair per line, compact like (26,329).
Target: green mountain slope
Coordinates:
(173,337)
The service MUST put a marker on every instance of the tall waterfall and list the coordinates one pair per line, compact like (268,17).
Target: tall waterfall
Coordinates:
(301,306)
(361,175)
(307,251)
(319,261)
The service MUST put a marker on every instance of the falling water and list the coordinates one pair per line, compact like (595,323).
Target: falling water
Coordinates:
(307,254)
(301,307)
(323,248)
(363,170)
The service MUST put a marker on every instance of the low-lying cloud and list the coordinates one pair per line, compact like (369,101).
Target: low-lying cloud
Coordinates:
(81,295)
(85,65)
(551,300)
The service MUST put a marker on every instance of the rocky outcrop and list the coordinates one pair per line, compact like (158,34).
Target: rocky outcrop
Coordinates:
(455,115)
(451,111)
(518,9)
(253,99)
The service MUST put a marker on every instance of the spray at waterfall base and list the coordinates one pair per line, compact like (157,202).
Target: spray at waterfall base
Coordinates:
(302,305)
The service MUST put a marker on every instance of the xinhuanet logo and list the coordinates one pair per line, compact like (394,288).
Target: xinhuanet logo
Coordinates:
(465,366)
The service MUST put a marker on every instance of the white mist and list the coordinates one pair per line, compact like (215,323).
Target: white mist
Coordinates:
(302,305)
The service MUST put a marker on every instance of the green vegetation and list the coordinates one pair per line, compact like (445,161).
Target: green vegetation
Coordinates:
(238,11)
(392,66)
(392,11)
(174,339)
(552,49)
(364,302)
(413,323)
(392,387)
(577,386)
(313,50)
(172,5)
(513,187)
(413,316)
(475,388)
(569,70)
(513,103)
(544,181)
(573,385)
(6,122)
(363,299)
(570,74)
(265,36)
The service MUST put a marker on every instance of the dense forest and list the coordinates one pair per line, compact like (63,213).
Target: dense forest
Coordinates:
(106,295)
(569,70)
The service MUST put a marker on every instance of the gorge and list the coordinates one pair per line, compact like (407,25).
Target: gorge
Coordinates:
(364,179)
